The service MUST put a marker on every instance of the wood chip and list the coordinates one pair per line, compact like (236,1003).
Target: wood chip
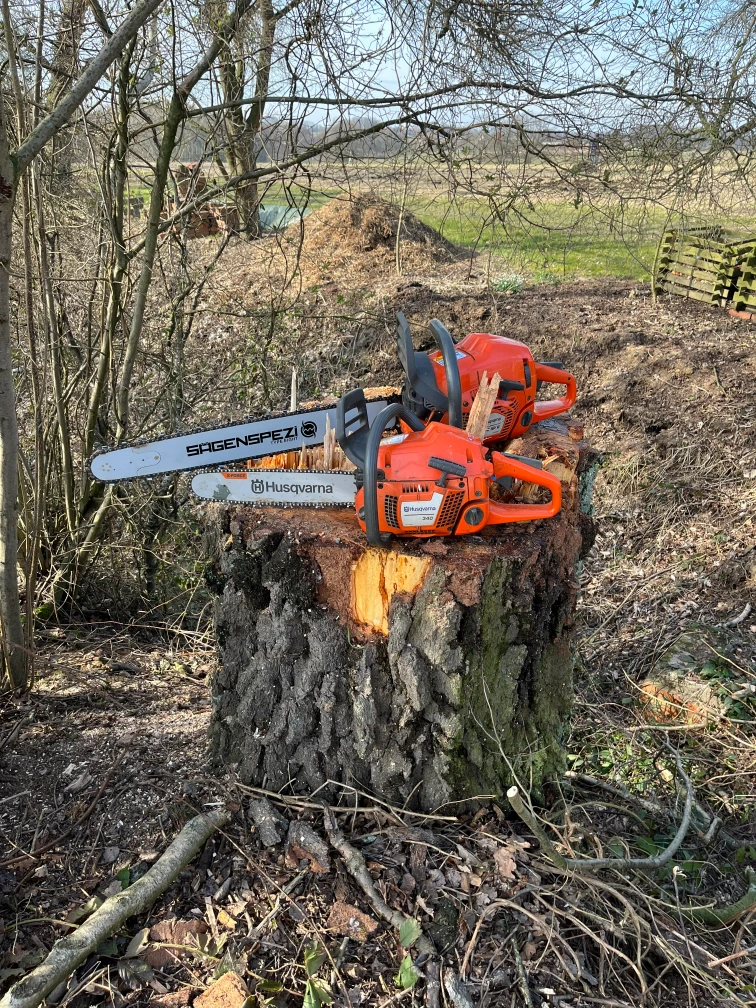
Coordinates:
(346,919)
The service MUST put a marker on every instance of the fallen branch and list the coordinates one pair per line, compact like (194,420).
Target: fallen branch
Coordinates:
(355,864)
(703,823)
(590,864)
(71,951)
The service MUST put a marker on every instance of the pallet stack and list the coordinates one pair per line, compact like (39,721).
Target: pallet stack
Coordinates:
(710,265)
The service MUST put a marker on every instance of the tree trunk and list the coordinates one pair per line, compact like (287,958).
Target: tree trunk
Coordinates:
(430,672)
(11,627)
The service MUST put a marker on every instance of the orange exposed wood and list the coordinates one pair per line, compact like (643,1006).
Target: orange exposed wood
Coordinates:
(376,577)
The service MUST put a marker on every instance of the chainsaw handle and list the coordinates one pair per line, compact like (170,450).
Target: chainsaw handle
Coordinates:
(508,465)
(442,336)
(552,407)
(370,467)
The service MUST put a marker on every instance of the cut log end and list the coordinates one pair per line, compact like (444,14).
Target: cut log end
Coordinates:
(424,672)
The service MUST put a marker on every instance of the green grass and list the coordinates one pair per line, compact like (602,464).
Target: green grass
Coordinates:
(552,240)
(545,241)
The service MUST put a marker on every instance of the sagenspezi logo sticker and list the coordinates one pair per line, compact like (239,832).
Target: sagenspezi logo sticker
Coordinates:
(421,512)
(274,436)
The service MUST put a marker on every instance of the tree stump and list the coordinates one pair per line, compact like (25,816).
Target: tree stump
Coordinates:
(426,673)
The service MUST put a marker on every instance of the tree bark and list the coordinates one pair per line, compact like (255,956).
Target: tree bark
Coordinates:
(430,672)
(11,627)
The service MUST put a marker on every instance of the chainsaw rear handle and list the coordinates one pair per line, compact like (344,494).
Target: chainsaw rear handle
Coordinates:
(370,467)
(528,472)
(442,336)
(553,407)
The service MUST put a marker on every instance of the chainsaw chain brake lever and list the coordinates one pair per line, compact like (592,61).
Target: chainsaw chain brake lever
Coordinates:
(370,471)
(353,426)
(447,469)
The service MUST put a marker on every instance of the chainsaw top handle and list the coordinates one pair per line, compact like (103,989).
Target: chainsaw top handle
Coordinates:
(552,407)
(442,336)
(529,471)
(370,473)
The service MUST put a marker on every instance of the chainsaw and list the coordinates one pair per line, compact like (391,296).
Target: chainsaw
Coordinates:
(432,479)
(427,394)
(250,439)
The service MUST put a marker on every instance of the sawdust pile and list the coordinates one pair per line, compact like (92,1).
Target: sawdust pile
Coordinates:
(360,236)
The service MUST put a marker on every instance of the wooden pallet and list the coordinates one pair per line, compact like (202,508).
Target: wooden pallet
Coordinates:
(744,290)
(697,263)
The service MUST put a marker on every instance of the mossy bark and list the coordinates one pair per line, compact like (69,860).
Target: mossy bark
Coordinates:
(465,681)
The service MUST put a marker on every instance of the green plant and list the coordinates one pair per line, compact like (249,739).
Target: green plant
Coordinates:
(508,283)
(317,992)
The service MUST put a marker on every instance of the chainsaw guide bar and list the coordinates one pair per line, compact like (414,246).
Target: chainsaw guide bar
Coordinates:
(234,442)
(311,488)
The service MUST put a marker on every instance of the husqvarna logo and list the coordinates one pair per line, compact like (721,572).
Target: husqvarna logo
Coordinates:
(309,429)
(257,486)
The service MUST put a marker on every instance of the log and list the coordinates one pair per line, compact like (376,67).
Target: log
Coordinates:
(430,672)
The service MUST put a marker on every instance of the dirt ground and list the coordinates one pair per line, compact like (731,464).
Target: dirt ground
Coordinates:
(106,759)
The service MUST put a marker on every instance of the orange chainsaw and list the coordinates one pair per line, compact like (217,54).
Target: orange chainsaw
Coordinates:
(427,393)
(434,480)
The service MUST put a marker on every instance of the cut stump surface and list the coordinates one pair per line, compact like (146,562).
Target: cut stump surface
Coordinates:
(422,673)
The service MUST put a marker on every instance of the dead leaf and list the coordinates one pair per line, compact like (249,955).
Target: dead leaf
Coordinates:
(505,863)
(226,920)
(529,949)
(172,934)
(109,855)
(81,782)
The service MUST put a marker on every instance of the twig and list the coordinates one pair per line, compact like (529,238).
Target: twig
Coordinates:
(286,890)
(355,864)
(399,996)
(729,958)
(456,990)
(18,794)
(433,984)
(474,939)
(589,864)
(71,951)
(522,978)
(741,617)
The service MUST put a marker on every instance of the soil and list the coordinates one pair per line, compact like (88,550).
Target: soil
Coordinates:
(105,760)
